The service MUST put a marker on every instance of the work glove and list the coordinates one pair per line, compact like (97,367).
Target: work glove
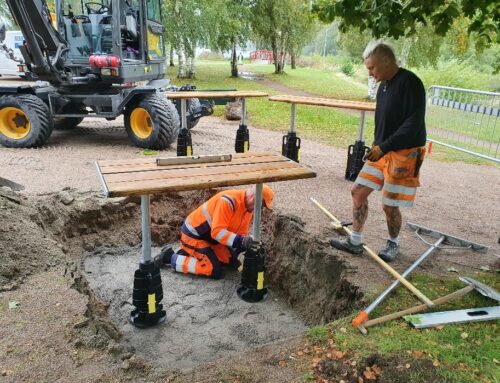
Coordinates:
(249,242)
(374,154)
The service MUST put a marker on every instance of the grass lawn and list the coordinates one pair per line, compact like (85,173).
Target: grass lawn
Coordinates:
(461,353)
(326,125)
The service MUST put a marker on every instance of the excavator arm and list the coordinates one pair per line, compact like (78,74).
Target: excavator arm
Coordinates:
(45,48)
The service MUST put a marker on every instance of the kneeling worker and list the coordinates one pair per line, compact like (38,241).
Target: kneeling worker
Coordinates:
(215,233)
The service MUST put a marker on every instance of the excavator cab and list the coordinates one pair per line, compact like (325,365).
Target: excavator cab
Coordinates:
(114,41)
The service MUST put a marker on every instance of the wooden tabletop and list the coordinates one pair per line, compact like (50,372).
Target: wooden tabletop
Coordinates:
(143,176)
(358,105)
(215,94)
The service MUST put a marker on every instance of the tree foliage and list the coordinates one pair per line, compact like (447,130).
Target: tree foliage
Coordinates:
(397,18)
(283,25)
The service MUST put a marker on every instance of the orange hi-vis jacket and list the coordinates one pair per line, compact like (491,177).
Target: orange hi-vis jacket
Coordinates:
(222,220)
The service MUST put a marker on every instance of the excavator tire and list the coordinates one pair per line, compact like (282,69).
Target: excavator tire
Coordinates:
(66,123)
(25,121)
(152,123)
(195,103)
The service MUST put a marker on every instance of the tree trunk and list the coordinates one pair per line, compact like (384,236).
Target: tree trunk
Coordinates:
(172,56)
(292,60)
(283,62)
(276,58)
(192,65)
(234,60)
(181,70)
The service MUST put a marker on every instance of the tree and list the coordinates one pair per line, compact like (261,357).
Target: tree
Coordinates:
(228,26)
(283,25)
(398,18)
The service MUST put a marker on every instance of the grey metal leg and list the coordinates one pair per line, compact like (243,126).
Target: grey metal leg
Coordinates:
(257,210)
(361,126)
(243,111)
(183,113)
(146,228)
(292,118)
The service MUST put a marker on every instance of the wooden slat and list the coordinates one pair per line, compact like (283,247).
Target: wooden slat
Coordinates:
(157,186)
(172,174)
(151,159)
(358,105)
(152,166)
(215,94)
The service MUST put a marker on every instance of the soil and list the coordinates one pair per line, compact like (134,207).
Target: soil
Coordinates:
(67,257)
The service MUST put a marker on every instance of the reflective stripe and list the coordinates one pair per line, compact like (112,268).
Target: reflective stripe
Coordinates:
(373,171)
(192,265)
(221,234)
(394,202)
(370,184)
(231,239)
(228,199)
(191,229)
(409,190)
(207,214)
(179,262)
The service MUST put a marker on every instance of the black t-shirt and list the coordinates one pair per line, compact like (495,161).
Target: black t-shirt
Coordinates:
(400,112)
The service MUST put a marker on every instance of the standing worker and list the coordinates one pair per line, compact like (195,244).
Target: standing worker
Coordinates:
(215,233)
(394,161)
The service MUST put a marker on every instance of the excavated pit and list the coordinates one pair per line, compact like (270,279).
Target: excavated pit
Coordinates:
(99,240)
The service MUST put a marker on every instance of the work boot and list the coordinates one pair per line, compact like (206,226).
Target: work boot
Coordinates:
(389,252)
(347,245)
(165,256)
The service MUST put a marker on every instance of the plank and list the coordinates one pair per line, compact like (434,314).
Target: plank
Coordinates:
(152,166)
(196,172)
(330,102)
(122,189)
(215,94)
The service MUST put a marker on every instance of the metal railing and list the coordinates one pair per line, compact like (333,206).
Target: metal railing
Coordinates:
(465,120)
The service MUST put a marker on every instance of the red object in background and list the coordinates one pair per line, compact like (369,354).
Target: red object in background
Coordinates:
(101,61)
(429,151)
(265,55)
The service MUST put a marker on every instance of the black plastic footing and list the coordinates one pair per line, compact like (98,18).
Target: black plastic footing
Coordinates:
(355,154)
(147,284)
(184,143)
(242,143)
(145,320)
(251,295)
(290,147)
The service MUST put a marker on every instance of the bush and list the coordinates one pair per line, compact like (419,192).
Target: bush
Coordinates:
(347,67)
(459,75)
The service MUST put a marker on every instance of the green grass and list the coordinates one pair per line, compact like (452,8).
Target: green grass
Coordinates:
(323,82)
(463,352)
(325,125)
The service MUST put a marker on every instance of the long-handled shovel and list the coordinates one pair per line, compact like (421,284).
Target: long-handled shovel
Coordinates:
(338,226)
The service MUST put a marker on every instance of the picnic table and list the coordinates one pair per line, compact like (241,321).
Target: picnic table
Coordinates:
(184,141)
(291,143)
(144,177)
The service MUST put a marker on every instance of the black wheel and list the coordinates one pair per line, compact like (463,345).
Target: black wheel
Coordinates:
(25,121)
(194,104)
(153,123)
(66,123)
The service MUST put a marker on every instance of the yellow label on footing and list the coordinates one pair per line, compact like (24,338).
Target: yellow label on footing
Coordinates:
(151,303)
(245,146)
(298,155)
(260,280)
(189,151)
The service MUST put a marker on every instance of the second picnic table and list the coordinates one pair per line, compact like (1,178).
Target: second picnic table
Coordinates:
(184,142)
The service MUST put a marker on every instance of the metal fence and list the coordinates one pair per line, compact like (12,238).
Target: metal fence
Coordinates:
(465,120)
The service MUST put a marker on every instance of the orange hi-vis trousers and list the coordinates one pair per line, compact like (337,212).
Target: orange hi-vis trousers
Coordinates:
(396,174)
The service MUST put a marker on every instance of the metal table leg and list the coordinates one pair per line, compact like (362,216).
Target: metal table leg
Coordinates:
(148,292)
(184,142)
(290,146)
(242,143)
(252,287)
